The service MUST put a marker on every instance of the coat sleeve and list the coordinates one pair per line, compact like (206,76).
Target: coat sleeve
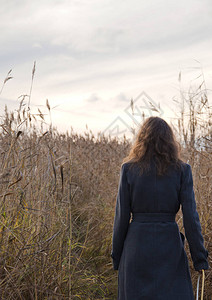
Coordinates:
(121,218)
(191,221)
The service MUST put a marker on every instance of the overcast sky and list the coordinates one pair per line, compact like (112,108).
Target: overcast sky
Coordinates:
(93,56)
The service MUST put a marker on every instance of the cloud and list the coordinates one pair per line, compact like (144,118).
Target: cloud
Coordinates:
(93,98)
(122,97)
(88,30)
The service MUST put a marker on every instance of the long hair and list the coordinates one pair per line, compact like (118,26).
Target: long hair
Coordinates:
(155,140)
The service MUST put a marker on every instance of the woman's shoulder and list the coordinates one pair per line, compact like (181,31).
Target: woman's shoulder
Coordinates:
(185,166)
(125,165)
(128,165)
(186,170)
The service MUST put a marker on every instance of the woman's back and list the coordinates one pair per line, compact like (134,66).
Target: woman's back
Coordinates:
(152,193)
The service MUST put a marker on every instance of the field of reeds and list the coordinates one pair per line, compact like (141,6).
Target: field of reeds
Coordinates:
(57,203)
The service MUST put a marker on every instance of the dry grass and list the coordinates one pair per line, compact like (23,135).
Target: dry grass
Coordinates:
(57,199)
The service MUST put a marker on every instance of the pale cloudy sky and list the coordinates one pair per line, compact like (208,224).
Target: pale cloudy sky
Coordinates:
(93,56)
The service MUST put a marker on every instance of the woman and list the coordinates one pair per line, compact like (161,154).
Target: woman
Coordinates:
(148,252)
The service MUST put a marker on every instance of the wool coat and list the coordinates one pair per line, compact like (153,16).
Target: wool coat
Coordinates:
(147,245)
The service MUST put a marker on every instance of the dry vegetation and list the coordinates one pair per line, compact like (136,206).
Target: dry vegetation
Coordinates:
(57,199)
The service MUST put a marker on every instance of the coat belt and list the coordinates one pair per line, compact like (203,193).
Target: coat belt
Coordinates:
(153,217)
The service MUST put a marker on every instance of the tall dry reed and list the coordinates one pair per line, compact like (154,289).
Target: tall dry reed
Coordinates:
(57,200)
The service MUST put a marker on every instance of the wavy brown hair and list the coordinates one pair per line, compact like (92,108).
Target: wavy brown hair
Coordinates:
(155,140)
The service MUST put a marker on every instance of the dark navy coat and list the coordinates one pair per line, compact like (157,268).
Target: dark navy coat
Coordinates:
(148,252)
